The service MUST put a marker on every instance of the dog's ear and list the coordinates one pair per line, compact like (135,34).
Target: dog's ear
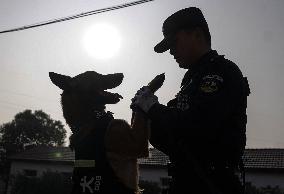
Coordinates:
(91,80)
(110,81)
(61,81)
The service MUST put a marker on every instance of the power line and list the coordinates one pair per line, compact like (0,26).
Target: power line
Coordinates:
(84,14)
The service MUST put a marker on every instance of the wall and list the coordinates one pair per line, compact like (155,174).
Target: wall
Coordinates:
(40,167)
(153,174)
(19,166)
(263,179)
(258,179)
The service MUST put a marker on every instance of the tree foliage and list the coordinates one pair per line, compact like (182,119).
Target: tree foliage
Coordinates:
(29,127)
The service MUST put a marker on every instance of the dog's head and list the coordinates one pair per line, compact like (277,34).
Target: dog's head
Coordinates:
(90,83)
(85,93)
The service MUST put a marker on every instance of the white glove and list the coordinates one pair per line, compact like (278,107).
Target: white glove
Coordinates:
(144,99)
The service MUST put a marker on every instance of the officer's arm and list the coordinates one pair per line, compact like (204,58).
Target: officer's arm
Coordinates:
(126,140)
(159,137)
(211,105)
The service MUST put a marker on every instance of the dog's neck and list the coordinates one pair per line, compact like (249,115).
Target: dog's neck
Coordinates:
(98,119)
(98,114)
(92,118)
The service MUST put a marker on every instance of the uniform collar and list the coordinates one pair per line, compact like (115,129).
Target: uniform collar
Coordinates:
(204,59)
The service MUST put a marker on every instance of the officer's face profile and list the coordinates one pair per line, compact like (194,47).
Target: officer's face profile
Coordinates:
(185,47)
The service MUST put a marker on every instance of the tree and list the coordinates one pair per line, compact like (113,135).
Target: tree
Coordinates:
(29,127)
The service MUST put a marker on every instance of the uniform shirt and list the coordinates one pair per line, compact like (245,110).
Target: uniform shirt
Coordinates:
(207,117)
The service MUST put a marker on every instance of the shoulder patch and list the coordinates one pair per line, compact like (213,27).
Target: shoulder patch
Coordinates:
(211,83)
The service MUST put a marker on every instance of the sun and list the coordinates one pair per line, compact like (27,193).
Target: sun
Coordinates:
(102,41)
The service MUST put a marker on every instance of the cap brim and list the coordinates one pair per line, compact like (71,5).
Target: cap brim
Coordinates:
(162,46)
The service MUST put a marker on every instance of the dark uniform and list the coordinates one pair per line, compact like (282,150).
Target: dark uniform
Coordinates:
(203,128)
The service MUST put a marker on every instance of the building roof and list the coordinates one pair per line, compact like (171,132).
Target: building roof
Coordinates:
(64,154)
(272,158)
(253,158)
(45,153)
(156,158)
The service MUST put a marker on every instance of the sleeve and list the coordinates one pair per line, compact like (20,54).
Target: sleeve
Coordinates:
(126,140)
(210,106)
(159,137)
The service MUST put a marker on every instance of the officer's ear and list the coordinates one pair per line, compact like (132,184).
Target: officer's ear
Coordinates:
(197,33)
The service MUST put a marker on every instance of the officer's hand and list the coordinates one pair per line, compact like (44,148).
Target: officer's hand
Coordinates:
(144,99)
(143,91)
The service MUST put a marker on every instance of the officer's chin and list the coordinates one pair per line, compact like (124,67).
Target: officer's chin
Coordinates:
(182,65)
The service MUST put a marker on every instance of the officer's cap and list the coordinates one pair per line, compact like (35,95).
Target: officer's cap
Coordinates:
(187,18)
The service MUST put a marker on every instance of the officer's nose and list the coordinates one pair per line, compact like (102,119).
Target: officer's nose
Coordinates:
(173,46)
(172,51)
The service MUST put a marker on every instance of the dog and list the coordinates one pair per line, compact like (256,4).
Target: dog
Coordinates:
(94,130)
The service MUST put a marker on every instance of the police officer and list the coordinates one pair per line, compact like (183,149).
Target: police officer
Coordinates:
(203,128)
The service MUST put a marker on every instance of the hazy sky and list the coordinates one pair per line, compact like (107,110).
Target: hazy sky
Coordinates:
(248,32)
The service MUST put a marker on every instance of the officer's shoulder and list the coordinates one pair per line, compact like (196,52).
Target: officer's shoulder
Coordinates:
(226,67)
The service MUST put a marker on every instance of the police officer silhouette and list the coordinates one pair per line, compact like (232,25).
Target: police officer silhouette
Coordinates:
(202,129)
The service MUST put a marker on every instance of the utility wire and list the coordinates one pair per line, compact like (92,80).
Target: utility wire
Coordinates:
(84,14)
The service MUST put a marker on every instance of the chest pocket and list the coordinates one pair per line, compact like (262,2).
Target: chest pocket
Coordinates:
(182,101)
(184,97)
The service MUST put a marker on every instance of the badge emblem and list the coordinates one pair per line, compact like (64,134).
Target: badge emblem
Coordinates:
(211,83)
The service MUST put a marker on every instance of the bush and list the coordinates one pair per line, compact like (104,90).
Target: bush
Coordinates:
(250,189)
(49,182)
(149,187)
